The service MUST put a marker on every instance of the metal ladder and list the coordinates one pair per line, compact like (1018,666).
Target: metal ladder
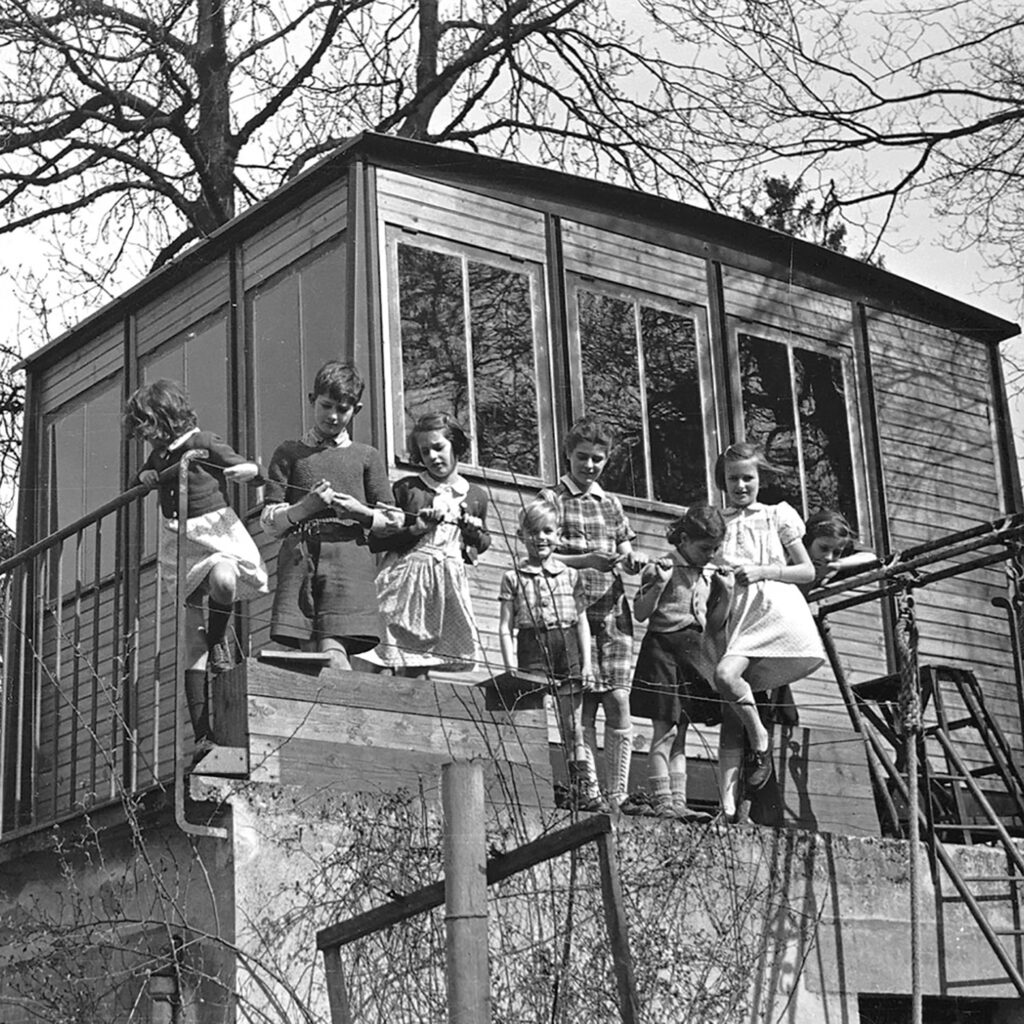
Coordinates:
(877,728)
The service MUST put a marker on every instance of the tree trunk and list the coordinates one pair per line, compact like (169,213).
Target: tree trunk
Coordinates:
(216,147)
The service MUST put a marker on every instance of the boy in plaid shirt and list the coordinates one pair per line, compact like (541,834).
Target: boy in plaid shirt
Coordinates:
(595,537)
(543,624)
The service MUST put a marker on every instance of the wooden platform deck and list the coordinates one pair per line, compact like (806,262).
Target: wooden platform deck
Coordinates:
(313,726)
(309,726)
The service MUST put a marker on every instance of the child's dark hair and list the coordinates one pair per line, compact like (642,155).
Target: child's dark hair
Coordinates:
(338,381)
(698,522)
(832,525)
(589,430)
(444,422)
(536,513)
(162,407)
(739,452)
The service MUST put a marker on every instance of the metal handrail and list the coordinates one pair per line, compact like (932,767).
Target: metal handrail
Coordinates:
(73,661)
(902,569)
(84,522)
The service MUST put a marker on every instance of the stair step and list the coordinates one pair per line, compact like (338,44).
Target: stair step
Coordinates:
(981,897)
(1009,879)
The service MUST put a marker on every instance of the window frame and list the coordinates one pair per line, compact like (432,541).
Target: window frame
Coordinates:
(535,272)
(694,311)
(790,339)
(336,245)
(48,519)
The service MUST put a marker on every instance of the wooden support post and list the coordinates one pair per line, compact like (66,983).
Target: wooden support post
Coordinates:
(465,870)
(337,994)
(618,937)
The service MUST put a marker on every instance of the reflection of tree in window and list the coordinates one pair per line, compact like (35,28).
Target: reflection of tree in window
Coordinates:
(498,401)
(504,388)
(770,415)
(662,364)
(611,388)
(824,433)
(674,417)
(434,371)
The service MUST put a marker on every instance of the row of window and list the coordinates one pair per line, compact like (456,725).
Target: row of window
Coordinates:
(468,332)
(469,335)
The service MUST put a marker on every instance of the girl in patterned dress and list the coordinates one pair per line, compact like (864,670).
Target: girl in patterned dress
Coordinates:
(771,638)
(222,560)
(422,586)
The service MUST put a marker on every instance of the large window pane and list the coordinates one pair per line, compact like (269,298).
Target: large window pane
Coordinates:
(640,374)
(611,385)
(504,388)
(825,433)
(297,323)
(483,372)
(794,406)
(768,415)
(674,412)
(435,374)
(198,359)
(85,472)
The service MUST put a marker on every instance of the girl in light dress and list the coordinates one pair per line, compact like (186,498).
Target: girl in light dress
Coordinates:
(771,638)
(222,560)
(422,585)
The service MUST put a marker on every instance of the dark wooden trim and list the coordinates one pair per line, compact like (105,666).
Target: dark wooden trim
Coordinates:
(30,472)
(498,868)
(363,292)
(727,404)
(874,470)
(558,342)
(618,932)
(129,557)
(1002,425)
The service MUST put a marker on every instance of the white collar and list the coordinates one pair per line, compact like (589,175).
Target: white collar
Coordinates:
(457,484)
(179,441)
(313,439)
(754,506)
(594,489)
(551,566)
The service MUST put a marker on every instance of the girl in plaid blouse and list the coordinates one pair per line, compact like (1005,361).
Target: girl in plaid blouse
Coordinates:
(596,538)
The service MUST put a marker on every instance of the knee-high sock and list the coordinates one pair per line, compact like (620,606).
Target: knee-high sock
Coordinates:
(217,622)
(618,752)
(195,698)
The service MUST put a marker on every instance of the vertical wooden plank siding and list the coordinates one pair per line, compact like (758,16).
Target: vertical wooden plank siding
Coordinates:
(941,474)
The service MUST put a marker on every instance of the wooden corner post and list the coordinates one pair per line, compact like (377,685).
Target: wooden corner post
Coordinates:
(465,871)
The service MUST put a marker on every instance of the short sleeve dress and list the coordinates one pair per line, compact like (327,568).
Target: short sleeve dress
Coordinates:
(770,623)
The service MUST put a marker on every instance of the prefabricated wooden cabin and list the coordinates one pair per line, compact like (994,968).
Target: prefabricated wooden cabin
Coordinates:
(518,298)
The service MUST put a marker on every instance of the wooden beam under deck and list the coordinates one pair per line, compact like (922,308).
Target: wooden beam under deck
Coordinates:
(363,732)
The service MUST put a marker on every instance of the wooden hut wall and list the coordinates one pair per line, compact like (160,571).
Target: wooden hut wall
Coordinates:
(78,469)
(935,417)
(295,313)
(248,330)
(293,279)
